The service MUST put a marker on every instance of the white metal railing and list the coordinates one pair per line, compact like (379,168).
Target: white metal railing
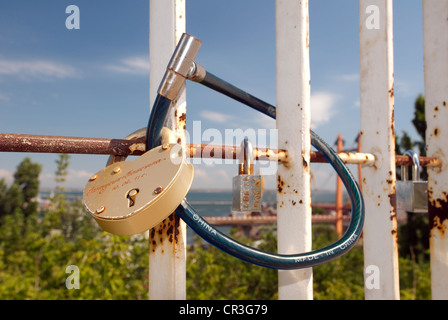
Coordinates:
(167,259)
(435,46)
(378,138)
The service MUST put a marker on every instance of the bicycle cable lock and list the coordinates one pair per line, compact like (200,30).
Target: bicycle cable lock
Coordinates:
(182,67)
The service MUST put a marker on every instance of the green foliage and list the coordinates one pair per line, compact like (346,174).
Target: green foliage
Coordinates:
(62,165)
(339,279)
(34,258)
(415,279)
(36,249)
(413,237)
(419,122)
(23,191)
(405,143)
(213,274)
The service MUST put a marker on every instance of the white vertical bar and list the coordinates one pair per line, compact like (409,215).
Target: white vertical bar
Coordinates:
(293,123)
(167,246)
(435,35)
(378,138)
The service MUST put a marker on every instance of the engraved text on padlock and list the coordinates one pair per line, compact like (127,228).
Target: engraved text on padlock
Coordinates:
(247,187)
(130,197)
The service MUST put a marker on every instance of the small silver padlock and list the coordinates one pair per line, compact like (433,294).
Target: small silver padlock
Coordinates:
(412,195)
(247,186)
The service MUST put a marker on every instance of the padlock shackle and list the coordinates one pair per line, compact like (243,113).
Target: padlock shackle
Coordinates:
(241,251)
(416,167)
(247,157)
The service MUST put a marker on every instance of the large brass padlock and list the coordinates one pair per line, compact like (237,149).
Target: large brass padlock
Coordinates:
(130,197)
(412,195)
(247,187)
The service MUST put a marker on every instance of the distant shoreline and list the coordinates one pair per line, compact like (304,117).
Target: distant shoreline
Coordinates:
(69,190)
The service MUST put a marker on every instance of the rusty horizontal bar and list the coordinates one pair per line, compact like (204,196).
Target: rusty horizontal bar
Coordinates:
(71,145)
(271,219)
(120,147)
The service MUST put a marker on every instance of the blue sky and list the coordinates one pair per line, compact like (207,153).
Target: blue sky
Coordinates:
(93,82)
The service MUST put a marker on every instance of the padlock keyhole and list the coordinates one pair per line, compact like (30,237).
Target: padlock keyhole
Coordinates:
(131,195)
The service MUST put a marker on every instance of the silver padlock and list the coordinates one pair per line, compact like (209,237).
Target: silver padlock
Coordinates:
(247,186)
(412,195)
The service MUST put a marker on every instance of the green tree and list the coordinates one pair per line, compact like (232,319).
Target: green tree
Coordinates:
(404,144)
(35,251)
(23,191)
(213,274)
(419,123)
(27,178)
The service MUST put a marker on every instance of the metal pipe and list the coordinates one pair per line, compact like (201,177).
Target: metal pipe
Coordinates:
(213,82)
(435,44)
(27,143)
(378,137)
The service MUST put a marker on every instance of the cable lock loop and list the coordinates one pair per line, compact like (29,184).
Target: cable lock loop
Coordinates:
(220,240)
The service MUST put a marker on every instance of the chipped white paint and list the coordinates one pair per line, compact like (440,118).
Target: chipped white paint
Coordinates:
(378,138)
(167,260)
(435,43)
(293,123)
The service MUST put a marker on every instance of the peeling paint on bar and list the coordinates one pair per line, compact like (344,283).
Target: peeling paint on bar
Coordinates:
(293,124)
(435,46)
(378,138)
(167,249)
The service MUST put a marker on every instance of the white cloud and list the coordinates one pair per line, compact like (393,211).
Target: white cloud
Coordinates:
(351,77)
(207,177)
(74,179)
(36,68)
(78,176)
(7,175)
(215,116)
(322,108)
(265,121)
(131,65)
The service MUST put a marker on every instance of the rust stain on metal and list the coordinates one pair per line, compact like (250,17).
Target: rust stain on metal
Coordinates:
(444,103)
(436,132)
(152,239)
(393,203)
(395,235)
(168,229)
(136,147)
(391,91)
(280,184)
(305,164)
(393,215)
(183,117)
(169,233)
(438,212)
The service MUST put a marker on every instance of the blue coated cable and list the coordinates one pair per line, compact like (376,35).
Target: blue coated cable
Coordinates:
(270,260)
